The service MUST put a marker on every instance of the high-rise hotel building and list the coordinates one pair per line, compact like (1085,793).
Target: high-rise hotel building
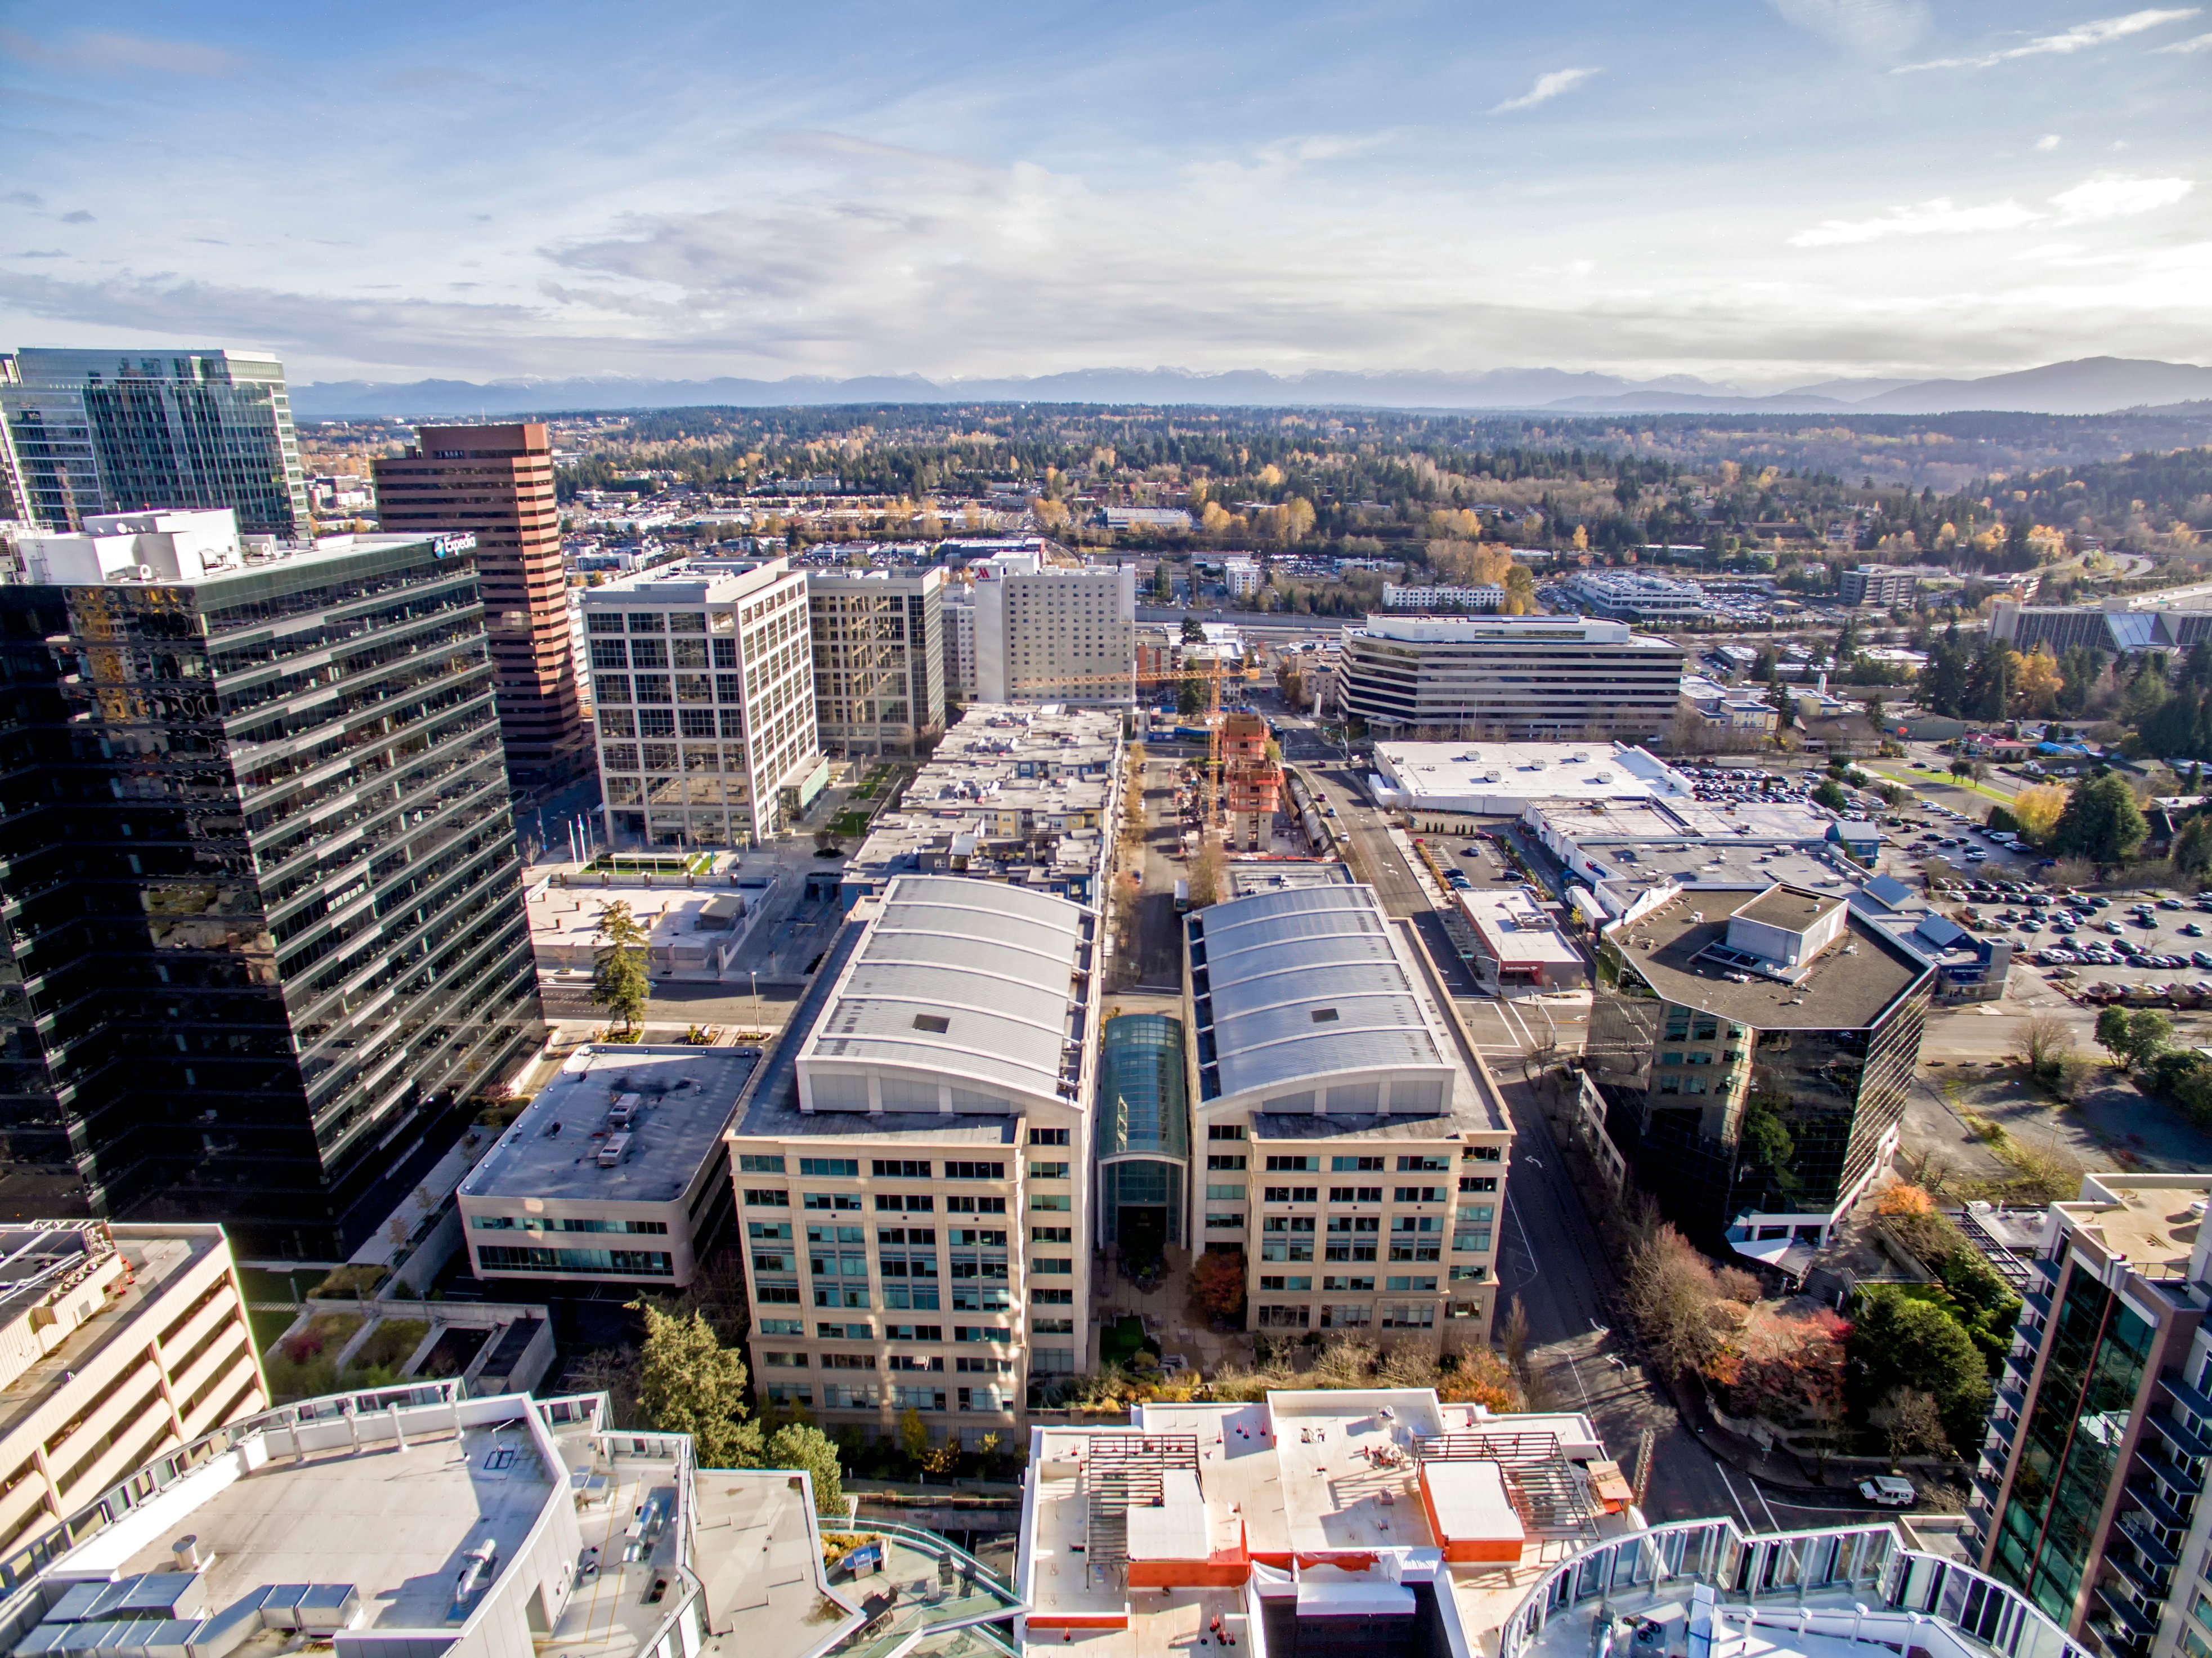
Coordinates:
(496,483)
(265,934)
(702,678)
(104,431)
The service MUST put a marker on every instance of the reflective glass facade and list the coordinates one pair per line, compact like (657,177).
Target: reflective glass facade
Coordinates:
(2091,1371)
(120,431)
(1725,1118)
(263,898)
(1143,1124)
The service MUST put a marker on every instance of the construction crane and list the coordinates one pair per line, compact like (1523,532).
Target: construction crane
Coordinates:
(1209,671)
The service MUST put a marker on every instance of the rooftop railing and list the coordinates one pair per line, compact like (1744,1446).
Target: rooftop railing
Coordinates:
(1770,1574)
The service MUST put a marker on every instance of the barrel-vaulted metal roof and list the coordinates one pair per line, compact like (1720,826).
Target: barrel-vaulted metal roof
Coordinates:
(982,983)
(1304,983)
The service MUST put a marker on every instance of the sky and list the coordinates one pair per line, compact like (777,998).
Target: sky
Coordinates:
(1757,193)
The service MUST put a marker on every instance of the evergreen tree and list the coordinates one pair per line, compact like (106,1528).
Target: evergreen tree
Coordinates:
(618,977)
(2101,821)
(689,1383)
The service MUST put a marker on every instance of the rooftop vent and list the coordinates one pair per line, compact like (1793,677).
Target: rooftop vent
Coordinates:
(935,1023)
(1324,1015)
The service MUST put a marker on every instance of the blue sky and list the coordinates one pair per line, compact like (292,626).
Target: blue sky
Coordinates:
(1763,192)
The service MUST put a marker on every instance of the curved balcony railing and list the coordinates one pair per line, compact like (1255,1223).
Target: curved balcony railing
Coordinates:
(1881,1587)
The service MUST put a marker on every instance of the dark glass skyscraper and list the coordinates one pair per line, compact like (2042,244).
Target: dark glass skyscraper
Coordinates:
(263,933)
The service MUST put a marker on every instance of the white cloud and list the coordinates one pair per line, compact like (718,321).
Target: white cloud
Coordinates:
(2116,198)
(1877,28)
(2195,43)
(1940,218)
(2048,141)
(1547,87)
(2098,32)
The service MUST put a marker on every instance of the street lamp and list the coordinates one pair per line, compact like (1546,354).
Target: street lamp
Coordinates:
(754,973)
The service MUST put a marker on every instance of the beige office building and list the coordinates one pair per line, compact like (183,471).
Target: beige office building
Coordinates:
(1516,679)
(1354,1149)
(879,659)
(910,1165)
(117,1343)
(702,678)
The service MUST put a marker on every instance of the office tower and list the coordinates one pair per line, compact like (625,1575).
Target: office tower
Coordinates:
(703,681)
(121,1342)
(14,502)
(264,898)
(1355,1151)
(879,659)
(1514,677)
(959,644)
(1049,634)
(122,431)
(496,483)
(1754,1057)
(2088,1497)
(910,1165)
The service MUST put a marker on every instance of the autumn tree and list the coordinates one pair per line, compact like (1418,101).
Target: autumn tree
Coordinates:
(1672,1294)
(2036,809)
(1217,1284)
(2036,685)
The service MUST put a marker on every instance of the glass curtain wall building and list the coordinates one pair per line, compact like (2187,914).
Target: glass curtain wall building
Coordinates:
(120,431)
(265,934)
(1754,1051)
(1143,1136)
(2089,1494)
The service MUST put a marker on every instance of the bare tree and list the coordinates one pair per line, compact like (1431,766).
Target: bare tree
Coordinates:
(2046,1042)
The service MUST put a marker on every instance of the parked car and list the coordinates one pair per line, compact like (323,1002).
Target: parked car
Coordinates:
(1890,1491)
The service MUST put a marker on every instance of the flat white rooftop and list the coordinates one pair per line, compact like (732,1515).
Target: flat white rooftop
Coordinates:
(1497,778)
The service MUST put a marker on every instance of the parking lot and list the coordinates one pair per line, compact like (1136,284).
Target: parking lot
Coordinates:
(2101,946)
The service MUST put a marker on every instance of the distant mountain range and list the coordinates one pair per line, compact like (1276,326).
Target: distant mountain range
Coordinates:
(2087,385)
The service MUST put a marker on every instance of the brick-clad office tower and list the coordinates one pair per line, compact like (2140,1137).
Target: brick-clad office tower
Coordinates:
(498,481)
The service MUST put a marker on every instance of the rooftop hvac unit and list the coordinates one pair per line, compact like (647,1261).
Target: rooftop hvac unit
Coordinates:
(615,1149)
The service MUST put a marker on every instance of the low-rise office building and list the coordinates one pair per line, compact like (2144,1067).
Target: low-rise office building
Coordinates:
(1600,840)
(879,658)
(1734,709)
(615,1172)
(1523,678)
(118,1343)
(1885,585)
(1754,1055)
(1449,788)
(1355,1150)
(1513,943)
(911,1164)
(1621,595)
(1016,793)
(702,679)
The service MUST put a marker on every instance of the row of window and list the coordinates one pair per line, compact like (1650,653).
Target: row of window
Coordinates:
(891,1203)
(1352,1194)
(557,1223)
(838,1396)
(1396,1315)
(848,1169)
